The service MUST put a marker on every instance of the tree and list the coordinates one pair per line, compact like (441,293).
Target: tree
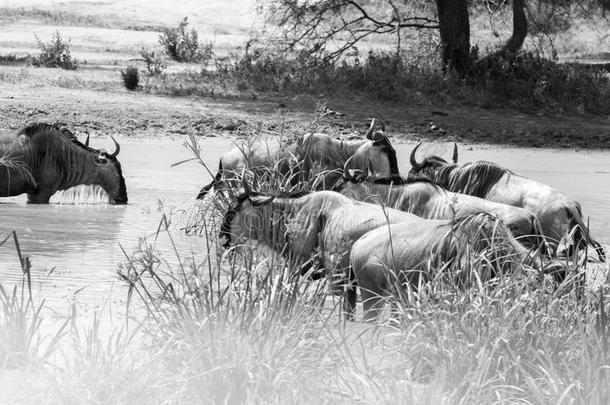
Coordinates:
(454,27)
(332,27)
(313,25)
(519,28)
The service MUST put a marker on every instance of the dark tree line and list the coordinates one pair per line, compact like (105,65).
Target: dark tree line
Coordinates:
(334,26)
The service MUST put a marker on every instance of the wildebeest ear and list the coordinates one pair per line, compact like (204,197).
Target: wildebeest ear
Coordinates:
(257,200)
(358,176)
(241,193)
(371,128)
(87,140)
(245,185)
(377,136)
(347,175)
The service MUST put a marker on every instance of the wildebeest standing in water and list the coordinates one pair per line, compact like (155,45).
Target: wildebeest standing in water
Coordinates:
(403,254)
(426,199)
(558,214)
(42,159)
(305,226)
(310,150)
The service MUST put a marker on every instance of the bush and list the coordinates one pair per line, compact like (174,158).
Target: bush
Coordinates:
(530,82)
(131,78)
(55,53)
(183,46)
(153,61)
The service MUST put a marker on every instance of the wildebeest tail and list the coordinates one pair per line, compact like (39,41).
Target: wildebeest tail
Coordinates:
(581,233)
(204,190)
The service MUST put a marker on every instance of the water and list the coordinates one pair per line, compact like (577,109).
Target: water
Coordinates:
(76,249)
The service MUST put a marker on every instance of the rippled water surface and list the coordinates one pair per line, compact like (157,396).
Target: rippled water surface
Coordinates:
(78,248)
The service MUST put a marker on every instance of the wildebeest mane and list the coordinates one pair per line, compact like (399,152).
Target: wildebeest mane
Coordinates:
(387,147)
(60,146)
(397,180)
(292,194)
(475,178)
(44,129)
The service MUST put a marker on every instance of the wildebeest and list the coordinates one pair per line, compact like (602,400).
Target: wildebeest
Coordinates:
(399,255)
(321,150)
(321,224)
(42,159)
(426,199)
(558,214)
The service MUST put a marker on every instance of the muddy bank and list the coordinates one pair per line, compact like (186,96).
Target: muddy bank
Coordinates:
(141,115)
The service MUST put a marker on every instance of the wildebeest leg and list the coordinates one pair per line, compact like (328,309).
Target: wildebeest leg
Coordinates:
(372,304)
(312,269)
(349,305)
(373,282)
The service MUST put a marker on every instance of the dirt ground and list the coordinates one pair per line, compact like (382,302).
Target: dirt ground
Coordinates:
(136,114)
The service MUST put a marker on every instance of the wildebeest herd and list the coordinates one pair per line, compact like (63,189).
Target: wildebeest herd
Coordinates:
(363,224)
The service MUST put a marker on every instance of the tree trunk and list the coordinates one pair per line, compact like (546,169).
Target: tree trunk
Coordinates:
(519,28)
(455,34)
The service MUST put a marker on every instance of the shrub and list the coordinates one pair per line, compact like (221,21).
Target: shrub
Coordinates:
(131,78)
(153,61)
(531,82)
(56,53)
(183,46)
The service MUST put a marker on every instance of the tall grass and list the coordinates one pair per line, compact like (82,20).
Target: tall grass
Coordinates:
(244,327)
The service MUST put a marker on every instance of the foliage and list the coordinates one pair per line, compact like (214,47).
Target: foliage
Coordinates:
(183,46)
(56,53)
(153,61)
(530,82)
(131,77)
(524,81)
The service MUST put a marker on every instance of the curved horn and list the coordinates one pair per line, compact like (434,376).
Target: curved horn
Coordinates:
(412,159)
(455,153)
(117,147)
(347,176)
(87,141)
(370,131)
(382,125)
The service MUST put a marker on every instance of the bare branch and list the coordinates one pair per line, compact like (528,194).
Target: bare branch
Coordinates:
(312,26)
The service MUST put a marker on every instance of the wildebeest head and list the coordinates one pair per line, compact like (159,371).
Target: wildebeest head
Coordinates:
(110,174)
(379,155)
(59,161)
(244,217)
(430,164)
